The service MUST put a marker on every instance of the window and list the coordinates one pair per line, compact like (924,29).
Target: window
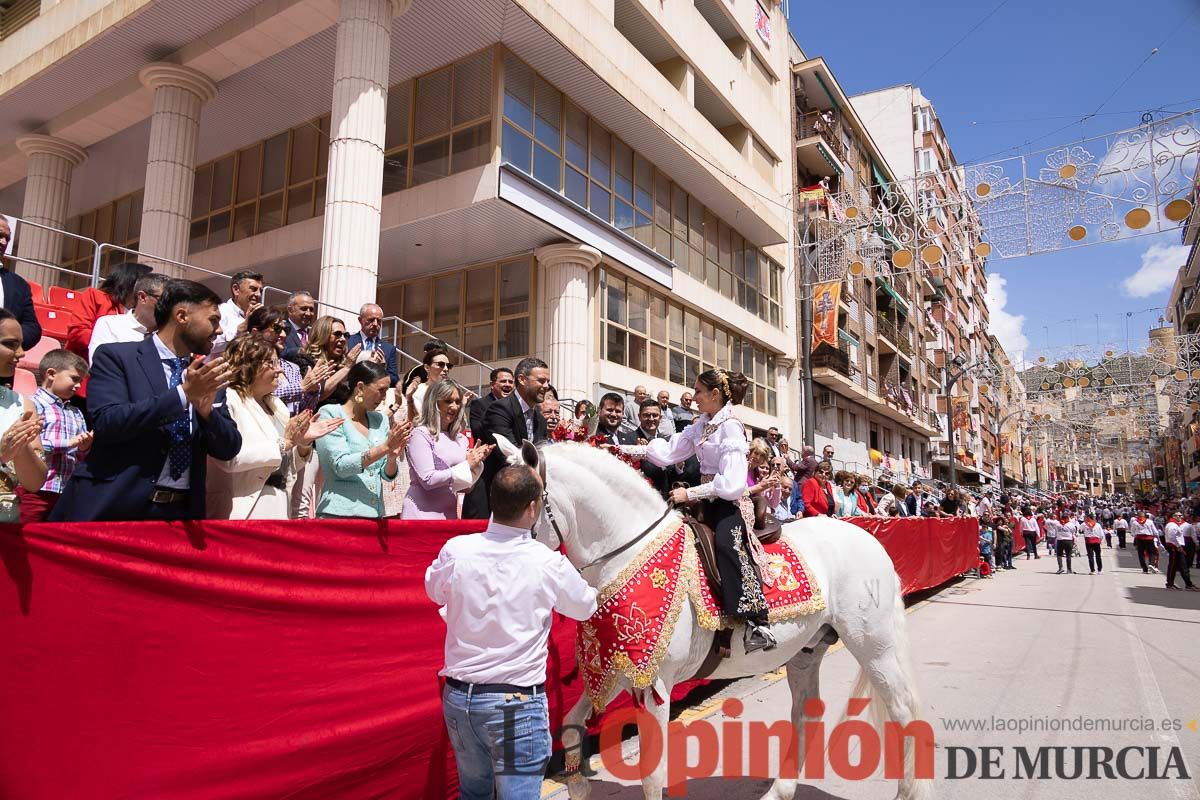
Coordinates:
(926,161)
(924,119)
(118,222)
(645,331)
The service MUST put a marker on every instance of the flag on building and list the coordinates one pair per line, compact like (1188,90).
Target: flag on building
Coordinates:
(825,313)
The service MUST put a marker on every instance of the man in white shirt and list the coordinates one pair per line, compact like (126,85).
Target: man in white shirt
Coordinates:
(498,589)
(135,324)
(1176,535)
(1192,529)
(1028,525)
(1145,533)
(1121,526)
(1063,531)
(246,288)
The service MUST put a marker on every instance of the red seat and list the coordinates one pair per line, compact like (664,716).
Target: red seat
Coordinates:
(64,298)
(55,321)
(33,356)
(36,289)
(25,383)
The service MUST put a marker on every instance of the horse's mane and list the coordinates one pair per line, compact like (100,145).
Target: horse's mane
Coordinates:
(594,459)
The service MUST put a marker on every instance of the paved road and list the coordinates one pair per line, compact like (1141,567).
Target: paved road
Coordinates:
(1116,648)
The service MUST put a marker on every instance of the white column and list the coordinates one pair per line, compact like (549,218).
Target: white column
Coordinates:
(179,94)
(564,324)
(47,192)
(350,250)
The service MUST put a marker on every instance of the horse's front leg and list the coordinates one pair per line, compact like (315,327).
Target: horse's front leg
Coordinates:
(659,714)
(574,742)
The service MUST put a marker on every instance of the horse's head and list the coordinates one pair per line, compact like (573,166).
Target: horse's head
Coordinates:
(592,500)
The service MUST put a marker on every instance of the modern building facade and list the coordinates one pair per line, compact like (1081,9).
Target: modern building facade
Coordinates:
(952,265)
(1183,311)
(602,183)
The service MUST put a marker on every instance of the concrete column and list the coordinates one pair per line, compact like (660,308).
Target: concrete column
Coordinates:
(354,197)
(179,93)
(564,325)
(682,76)
(47,192)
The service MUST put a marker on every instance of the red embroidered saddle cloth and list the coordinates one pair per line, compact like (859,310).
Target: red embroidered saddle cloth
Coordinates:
(636,612)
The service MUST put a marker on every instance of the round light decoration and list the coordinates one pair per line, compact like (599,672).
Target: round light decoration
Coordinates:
(1181,375)
(983,189)
(1085,381)
(1137,218)
(1077,234)
(983,388)
(1068,383)
(1196,374)
(1045,387)
(1068,171)
(857,267)
(902,258)
(1177,210)
(1108,353)
(983,249)
(1108,381)
(851,212)
(1041,359)
(931,254)
(1112,412)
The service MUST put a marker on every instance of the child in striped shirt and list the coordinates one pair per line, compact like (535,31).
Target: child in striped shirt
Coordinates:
(65,437)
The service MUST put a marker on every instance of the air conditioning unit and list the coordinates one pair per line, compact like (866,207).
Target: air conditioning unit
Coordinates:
(827,399)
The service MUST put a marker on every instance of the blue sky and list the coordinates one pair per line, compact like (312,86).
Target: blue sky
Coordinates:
(1034,66)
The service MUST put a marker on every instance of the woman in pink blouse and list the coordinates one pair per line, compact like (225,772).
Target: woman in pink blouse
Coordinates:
(440,465)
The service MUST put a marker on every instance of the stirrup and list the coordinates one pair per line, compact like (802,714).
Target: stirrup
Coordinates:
(758,637)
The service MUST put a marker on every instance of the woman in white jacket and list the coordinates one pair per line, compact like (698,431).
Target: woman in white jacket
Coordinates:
(251,485)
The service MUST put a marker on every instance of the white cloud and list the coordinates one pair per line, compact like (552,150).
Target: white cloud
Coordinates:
(1160,264)
(1008,328)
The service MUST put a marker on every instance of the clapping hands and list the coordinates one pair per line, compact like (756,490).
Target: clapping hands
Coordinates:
(477,454)
(202,381)
(21,434)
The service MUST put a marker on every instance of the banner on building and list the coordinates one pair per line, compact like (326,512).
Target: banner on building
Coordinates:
(961,413)
(825,313)
(762,23)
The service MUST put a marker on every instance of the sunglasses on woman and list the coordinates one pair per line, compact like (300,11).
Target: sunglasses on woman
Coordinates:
(441,364)
(339,335)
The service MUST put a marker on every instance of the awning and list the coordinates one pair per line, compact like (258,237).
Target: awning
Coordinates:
(828,93)
(847,337)
(833,162)
(887,287)
(882,181)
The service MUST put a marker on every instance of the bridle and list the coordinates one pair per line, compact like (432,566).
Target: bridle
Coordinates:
(549,512)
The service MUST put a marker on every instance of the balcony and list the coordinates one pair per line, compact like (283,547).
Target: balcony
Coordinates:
(832,369)
(819,147)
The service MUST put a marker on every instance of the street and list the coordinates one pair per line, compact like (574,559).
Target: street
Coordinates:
(1115,650)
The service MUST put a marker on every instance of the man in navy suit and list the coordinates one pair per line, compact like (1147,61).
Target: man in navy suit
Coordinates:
(17,296)
(302,313)
(159,412)
(370,320)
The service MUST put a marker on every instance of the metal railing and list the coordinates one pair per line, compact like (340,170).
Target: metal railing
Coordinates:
(826,125)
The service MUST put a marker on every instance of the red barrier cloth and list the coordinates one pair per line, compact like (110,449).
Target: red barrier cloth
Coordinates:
(926,551)
(255,660)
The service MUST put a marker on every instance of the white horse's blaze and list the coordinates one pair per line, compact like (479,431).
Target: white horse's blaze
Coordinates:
(606,503)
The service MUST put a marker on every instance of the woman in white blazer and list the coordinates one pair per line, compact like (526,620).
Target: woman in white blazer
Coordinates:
(251,485)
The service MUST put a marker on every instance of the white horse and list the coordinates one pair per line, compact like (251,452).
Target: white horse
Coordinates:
(597,504)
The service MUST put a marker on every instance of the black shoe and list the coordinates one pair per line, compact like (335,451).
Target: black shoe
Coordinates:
(1146,571)
(1060,572)
(758,637)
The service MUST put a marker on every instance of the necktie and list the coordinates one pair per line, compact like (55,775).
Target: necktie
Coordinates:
(179,432)
(529,423)
(303,337)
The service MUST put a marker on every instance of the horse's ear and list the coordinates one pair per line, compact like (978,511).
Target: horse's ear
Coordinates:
(509,450)
(530,454)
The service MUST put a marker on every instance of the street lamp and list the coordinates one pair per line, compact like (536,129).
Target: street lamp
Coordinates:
(956,369)
(999,449)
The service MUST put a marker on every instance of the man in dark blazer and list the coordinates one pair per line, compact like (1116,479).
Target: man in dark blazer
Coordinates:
(301,314)
(502,385)
(158,411)
(370,321)
(17,296)
(516,418)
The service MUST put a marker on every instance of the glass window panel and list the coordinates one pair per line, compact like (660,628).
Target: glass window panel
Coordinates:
(675,320)
(726,284)
(771,403)
(471,147)
(395,172)
(721,355)
(431,160)
(577,187)
(319,196)
(104,215)
(676,367)
(399,112)
(274,163)
(679,203)
(514,288)
(711,231)
(712,275)
(431,111)
(446,300)
(723,243)
(548,124)
(623,170)
(135,216)
(643,178)
(304,153)
(600,166)
(270,212)
(478,342)
(481,294)
(697,263)
(658,361)
(614,344)
(739,263)
(547,167)
(680,253)
(323,146)
(518,91)
(775,315)
(199,236)
(512,337)
(416,304)
(662,241)
(121,221)
(639,306)
(691,333)
(249,165)
(218,229)
(658,318)
(623,216)
(693,370)
(708,341)
(662,201)
(598,202)
(202,191)
(243,221)
(615,306)
(643,229)
(473,87)
(577,137)
(695,223)
(514,148)
(637,353)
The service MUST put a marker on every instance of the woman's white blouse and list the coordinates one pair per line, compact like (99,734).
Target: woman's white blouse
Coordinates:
(722,454)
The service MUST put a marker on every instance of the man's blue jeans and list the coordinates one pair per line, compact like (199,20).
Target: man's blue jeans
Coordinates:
(501,743)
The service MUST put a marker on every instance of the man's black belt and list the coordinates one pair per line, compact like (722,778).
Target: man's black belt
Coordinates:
(168,496)
(494,688)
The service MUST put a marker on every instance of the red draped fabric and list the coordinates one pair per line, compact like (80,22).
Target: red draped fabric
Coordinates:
(253,660)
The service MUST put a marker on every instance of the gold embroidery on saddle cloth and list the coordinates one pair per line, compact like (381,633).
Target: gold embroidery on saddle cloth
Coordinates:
(752,601)
(791,591)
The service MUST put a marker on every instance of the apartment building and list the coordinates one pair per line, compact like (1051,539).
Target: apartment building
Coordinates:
(950,257)
(873,386)
(1183,311)
(602,183)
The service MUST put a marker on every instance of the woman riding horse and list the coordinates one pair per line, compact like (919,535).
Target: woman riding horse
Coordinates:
(718,440)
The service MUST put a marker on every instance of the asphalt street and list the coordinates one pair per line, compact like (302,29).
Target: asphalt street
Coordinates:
(1114,652)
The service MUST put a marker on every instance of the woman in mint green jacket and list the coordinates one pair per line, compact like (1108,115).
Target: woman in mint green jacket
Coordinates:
(360,455)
